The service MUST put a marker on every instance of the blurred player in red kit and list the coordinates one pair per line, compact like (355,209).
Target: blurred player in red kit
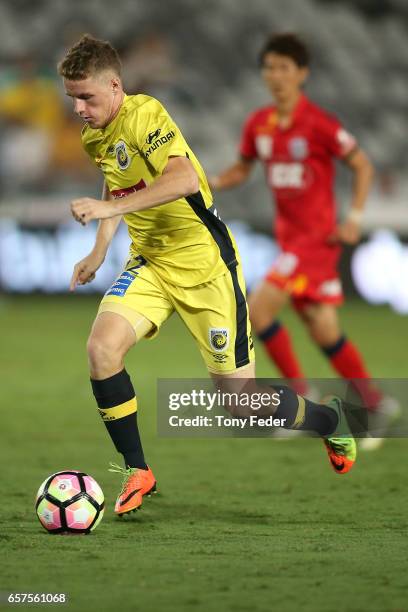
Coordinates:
(298,142)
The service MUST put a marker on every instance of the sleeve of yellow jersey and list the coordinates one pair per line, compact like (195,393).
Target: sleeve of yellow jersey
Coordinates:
(156,135)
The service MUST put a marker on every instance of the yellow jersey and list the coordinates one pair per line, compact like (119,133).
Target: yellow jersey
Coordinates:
(184,239)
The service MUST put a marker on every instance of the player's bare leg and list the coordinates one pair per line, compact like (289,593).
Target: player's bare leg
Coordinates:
(111,338)
(322,323)
(265,304)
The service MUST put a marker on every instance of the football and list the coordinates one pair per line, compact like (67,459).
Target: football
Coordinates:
(70,502)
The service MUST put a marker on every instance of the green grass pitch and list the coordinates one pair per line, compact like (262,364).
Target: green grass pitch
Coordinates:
(239,524)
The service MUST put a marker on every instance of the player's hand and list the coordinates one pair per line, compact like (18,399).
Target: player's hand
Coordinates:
(85,270)
(348,232)
(85,209)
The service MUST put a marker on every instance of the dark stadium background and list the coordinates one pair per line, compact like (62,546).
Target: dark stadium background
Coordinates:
(206,74)
(240,524)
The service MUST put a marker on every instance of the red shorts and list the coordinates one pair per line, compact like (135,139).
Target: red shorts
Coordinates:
(312,277)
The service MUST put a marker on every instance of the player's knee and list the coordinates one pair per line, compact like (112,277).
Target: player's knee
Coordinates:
(323,328)
(325,337)
(265,304)
(95,349)
(102,350)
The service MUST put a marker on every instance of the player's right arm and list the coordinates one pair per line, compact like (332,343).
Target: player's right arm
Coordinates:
(233,176)
(85,270)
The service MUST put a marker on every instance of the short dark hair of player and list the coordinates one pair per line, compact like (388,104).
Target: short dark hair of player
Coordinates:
(289,45)
(87,57)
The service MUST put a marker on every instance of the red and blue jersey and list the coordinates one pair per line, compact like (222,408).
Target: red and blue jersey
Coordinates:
(299,167)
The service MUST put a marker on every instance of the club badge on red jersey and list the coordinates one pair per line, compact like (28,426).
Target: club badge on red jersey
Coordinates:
(298,147)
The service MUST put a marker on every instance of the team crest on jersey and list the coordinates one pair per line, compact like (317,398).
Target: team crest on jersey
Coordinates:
(298,147)
(219,338)
(264,146)
(122,156)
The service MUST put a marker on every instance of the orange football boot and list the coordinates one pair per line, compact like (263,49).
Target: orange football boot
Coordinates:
(341,445)
(136,484)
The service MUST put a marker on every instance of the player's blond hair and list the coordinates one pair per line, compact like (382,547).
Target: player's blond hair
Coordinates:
(87,57)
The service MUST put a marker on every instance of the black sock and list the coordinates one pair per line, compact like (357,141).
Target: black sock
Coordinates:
(301,413)
(117,405)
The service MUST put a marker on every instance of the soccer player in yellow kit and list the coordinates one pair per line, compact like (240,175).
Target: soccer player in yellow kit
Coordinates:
(182,258)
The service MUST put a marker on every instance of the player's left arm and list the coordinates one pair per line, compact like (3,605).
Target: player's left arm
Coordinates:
(362,169)
(178,180)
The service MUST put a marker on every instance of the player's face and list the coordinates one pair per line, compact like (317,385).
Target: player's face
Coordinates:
(96,98)
(283,77)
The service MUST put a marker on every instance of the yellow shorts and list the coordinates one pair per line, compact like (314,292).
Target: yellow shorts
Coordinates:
(216,312)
